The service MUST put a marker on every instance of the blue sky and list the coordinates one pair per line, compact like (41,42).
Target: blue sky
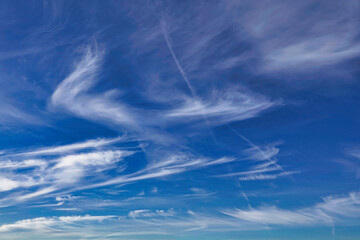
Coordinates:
(169,120)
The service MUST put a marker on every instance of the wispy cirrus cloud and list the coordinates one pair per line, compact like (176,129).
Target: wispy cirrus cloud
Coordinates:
(313,52)
(11,114)
(264,163)
(175,75)
(352,160)
(6,183)
(260,36)
(223,108)
(47,223)
(331,210)
(70,168)
(262,153)
(28,163)
(13,199)
(275,216)
(259,177)
(63,149)
(174,163)
(343,206)
(149,213)
(72,94)
(322,39)
(67,169)
(185,82)
(170,221)
(67,165)
(354,151)
(137,222)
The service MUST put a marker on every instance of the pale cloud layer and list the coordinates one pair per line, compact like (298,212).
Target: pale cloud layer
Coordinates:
(167,221)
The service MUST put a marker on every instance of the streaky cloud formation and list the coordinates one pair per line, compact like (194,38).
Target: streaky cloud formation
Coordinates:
(170,165)
(348,206)
(179,120)
(58,150)
(145,221)
(71,94)
(58,172)
(42,223)
(275,216)
(299,44)
(326,212)
(254,177)
(265,165)
(69,170)
(231,106)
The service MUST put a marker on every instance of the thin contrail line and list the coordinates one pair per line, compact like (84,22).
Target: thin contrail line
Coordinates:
(255,147)
(176,60)
(168,41)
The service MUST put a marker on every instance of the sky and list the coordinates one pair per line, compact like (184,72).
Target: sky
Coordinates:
(179,120)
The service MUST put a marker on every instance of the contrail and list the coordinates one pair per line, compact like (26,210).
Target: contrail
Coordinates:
(168,41)
(251,144)
(176,60)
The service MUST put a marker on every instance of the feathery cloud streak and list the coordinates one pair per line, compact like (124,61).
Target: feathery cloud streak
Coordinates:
(72,95)
(161,221)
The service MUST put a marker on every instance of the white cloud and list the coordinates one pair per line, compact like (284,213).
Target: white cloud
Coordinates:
(266,165)
(255,177)
(72,219)
(72,93)
(7,184)
(66,198)
(352,161)
(37,193)
(198,190)
(70,168)
(23,164)
(91,159)
(301,35)
(44,177)
(93,143)
(151,213)
(275,216)
(168,165)
(260,153)
(265,162)
(317,51)
(354,151)
(348,206)
(331,210)
(137,233)
(46,223)
(250,172)
(258,173)
(11,114)
(228,107)
(168,40)
(28,224)
(139,222)
(155,190)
